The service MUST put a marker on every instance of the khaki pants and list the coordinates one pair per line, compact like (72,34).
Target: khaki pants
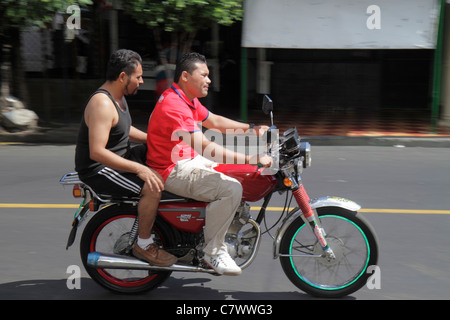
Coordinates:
(197,179)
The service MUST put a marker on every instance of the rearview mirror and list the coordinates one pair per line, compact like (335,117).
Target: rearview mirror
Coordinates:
(267,105)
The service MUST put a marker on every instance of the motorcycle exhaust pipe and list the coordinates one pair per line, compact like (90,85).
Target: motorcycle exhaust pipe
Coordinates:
(112,261)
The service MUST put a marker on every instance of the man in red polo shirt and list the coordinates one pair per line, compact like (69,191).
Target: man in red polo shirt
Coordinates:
(175,147)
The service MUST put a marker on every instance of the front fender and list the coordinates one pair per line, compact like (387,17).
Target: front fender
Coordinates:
(334,202)
(315,204)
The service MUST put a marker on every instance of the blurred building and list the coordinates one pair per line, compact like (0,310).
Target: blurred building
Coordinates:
(63,66)
(347,55)
(338,55)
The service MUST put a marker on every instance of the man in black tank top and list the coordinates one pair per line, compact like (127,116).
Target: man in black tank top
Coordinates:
(104,159)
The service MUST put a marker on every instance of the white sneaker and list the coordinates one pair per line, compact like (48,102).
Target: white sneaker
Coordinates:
(223,264)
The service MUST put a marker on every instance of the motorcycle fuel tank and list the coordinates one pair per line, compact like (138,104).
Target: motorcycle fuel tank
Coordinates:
(255,184)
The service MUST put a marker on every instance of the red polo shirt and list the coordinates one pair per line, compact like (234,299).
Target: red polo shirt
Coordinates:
(173,115)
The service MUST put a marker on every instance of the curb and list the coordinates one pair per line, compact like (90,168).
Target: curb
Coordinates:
(42,136)
(427,142)
(68,135)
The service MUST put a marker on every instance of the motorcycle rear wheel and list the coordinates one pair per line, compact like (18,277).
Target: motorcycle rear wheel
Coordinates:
(352,240)
(102,233)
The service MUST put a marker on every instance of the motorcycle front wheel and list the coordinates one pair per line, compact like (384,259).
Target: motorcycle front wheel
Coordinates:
(353,242)
(106,230)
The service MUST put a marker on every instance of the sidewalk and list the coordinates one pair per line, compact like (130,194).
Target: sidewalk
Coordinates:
(55,134)
(399,128)
(331,129)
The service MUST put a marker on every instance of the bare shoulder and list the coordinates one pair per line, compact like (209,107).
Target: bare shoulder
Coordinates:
(100,107)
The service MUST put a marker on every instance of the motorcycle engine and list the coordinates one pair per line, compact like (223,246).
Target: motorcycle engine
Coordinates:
(240,242)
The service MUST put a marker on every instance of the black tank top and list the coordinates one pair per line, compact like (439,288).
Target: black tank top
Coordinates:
(118,141)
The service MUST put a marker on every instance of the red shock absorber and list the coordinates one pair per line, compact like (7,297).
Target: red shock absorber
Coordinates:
(303,201)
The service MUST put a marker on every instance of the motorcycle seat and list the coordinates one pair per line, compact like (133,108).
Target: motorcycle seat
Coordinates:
(165,197)
(72,178)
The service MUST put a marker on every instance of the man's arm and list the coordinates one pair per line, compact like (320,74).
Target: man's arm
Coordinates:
(221,123)
(211,150)
(137,135)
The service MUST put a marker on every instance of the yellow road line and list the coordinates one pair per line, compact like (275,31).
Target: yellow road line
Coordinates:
(38,205)
(9,143)
(368,210)
(410,211)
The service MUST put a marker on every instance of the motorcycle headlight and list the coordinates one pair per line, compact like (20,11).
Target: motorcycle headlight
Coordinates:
(305,151)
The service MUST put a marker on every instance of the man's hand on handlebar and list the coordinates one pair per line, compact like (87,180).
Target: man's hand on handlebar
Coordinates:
(261,160)
(260,130)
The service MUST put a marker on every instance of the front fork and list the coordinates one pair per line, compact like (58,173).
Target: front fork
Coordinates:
(312,219)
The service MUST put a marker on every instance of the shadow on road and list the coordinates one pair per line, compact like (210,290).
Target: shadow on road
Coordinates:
(173,289)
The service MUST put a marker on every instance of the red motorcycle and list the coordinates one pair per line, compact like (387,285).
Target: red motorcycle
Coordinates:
(325,247)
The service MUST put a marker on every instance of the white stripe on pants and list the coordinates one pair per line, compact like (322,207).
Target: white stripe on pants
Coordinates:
(120,180)
(197,179)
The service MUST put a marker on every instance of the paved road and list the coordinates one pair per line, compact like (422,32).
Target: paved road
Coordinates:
(414,261)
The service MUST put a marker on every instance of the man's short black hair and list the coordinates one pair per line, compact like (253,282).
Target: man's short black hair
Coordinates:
(122,60)
(187,63)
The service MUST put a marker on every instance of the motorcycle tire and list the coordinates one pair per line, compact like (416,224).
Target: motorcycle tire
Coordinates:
(102,233)
(353,242)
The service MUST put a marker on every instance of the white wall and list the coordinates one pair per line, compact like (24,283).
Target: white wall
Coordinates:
(340,24)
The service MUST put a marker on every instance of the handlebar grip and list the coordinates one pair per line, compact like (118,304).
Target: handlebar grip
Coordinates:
(268,134)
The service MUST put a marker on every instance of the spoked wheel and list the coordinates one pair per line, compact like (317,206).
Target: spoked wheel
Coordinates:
(107,232)
(353,242)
